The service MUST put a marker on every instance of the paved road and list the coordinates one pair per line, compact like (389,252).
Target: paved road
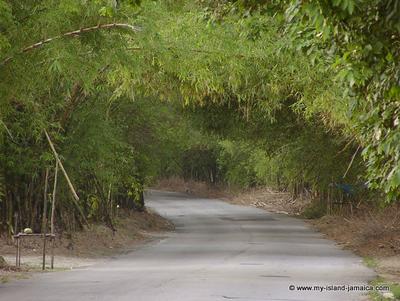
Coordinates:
(218,252)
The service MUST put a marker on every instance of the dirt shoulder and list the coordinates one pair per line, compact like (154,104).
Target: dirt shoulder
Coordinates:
(374,235)
(84,248)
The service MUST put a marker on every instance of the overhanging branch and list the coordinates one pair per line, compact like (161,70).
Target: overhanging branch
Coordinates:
(74,33)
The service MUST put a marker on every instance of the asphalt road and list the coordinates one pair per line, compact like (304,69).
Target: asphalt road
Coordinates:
(219,251)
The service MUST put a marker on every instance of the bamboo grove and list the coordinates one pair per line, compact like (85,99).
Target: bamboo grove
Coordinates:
(298,95)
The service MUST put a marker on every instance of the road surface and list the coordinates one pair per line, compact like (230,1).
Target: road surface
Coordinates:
(219,251)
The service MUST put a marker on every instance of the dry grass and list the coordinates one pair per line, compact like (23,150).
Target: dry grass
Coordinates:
(97,240)
(85,247)
(270,200)
(370,231)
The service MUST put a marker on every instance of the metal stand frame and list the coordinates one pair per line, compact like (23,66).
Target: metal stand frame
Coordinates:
(18,238)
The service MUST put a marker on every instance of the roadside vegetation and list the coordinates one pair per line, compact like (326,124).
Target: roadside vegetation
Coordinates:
(302,97)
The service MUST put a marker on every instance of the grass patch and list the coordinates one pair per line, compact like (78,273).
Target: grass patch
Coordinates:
(4,279)
(395,288)
(370,262)
(25,272)
(380,296)
(13,276)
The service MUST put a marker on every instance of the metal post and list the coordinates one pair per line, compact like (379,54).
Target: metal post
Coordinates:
(17,240)
(52,252)
(44,252)
(19,251)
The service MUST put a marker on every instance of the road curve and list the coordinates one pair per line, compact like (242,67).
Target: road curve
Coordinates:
(219,251)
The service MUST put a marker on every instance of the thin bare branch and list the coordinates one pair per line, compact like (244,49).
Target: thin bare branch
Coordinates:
(72,34)
(352,160)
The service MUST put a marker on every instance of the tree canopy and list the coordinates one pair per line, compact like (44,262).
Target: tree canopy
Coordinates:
(291,94)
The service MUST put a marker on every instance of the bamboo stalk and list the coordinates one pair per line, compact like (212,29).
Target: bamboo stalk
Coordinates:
(110,201)
(46,182)
(54,199)
(76,197)
(15,223)
(52,214)
(74,194)
(44,219)
(74,33)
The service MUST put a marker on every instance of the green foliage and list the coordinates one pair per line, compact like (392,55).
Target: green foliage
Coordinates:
(241,163)
(370,262)
(61,86)
(290,153)
(278,93)
(6,21)
(360,39)
(395,288)
(199,162)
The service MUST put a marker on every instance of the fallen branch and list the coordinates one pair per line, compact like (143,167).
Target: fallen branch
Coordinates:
(72,34)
